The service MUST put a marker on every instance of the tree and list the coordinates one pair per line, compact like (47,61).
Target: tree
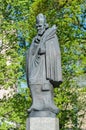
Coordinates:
(13,21)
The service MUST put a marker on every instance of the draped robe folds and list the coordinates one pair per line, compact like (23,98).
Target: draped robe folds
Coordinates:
(50,46)
(43,71)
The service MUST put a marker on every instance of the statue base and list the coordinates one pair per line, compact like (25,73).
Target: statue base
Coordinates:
(42,114)
(42,123)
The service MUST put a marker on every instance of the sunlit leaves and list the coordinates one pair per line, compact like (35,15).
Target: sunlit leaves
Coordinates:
(14,113)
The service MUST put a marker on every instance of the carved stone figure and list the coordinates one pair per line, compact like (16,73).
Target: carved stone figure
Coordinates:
(43,69)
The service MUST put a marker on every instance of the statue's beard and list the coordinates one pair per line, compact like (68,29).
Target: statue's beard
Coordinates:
(40,32)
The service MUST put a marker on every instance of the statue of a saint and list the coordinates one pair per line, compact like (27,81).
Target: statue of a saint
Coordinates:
(43,69)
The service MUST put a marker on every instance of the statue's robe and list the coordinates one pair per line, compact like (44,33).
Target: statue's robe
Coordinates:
(43,69)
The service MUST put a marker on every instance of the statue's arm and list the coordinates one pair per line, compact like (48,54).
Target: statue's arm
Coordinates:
(33,47)
(42,48)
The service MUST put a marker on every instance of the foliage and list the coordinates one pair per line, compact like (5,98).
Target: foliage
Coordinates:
(13,18)
(69,16)
(13,22)
(14,114)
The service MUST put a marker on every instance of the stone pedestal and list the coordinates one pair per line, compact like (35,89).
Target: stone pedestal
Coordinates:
(42,123)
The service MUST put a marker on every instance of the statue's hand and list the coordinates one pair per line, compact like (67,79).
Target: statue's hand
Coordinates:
(41,51)
(37,39)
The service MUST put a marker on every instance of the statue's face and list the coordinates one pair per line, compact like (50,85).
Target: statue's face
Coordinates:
(40,27)
(40,22)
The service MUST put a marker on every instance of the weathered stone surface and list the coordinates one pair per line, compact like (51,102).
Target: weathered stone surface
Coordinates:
(43,69)
(42,123)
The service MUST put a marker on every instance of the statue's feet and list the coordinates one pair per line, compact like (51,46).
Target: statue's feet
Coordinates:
(54,109)
(34,108)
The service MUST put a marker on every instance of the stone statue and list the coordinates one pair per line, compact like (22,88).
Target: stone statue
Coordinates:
(43,69)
